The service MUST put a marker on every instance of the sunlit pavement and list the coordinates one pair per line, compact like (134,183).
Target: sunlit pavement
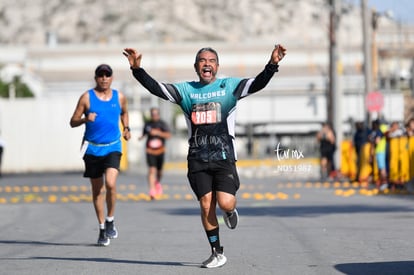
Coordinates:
(288,225)
(260,181)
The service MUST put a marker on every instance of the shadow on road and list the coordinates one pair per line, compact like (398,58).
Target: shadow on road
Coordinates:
(377,268)
(28,242)
(111,260)
(300,211)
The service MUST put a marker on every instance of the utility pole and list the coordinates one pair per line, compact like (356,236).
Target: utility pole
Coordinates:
(332,61)
(334,93)
(367,56)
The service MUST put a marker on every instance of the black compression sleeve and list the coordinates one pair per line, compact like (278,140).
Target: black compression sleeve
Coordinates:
(164,91)
(259,82)
(148,82)
(263,78)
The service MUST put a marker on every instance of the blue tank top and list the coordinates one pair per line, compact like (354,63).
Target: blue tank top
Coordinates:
(103,135)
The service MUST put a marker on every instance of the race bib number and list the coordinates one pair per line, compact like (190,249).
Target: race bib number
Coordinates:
(206,113)
(155,143)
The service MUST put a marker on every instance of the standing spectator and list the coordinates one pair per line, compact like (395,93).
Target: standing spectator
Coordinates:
(409,131)
(209,106)
(327,147)
(156,131)
(378,151)
(100,110)
(360,138)
(409,127)
(394,130)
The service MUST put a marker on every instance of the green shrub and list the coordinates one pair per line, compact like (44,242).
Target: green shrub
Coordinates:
(21,89)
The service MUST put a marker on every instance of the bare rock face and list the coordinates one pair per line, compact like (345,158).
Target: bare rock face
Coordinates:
(38,22)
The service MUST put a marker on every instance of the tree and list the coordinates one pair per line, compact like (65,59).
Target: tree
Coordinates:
(21,89)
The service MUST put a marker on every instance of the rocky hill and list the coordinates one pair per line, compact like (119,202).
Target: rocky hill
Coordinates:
(37,22)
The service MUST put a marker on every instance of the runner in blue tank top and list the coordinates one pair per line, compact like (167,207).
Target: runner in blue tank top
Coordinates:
(209,107)
(101,109)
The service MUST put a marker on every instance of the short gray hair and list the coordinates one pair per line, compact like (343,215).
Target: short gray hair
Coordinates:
(206,49)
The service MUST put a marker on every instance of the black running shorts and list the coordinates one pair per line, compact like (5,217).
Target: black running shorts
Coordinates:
(95,166)
(155,161)
(214,176)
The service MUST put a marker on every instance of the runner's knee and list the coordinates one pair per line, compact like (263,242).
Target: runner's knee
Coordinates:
(226,201)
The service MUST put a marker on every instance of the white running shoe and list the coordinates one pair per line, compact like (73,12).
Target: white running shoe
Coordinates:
(231,218)
(217,259)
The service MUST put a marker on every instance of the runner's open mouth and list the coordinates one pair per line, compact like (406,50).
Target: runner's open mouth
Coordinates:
(207,71)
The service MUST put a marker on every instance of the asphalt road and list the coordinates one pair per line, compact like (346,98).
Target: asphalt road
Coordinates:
(287,226)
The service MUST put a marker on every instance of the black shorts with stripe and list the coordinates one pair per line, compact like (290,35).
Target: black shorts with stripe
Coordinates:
(213,176)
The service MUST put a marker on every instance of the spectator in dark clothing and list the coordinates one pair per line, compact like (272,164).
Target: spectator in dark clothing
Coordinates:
(327,142)
(360,138)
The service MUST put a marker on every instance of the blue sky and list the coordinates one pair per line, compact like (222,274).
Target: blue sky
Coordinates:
(403,9)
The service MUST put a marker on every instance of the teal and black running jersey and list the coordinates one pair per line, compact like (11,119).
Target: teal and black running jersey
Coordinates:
(209,110)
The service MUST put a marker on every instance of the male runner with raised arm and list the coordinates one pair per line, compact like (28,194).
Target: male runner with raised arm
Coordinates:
(209,107)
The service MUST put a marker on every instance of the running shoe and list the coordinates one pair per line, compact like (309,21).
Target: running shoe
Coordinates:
(216,259)
(103,240)
(158,188)
(152,194)
(231,218)
(110,230)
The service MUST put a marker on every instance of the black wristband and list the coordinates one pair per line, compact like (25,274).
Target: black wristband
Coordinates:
(127,128)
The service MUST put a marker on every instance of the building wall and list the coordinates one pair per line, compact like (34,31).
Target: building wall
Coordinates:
(39,138)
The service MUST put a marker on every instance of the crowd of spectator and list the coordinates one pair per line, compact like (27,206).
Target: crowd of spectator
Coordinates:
(378,139)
